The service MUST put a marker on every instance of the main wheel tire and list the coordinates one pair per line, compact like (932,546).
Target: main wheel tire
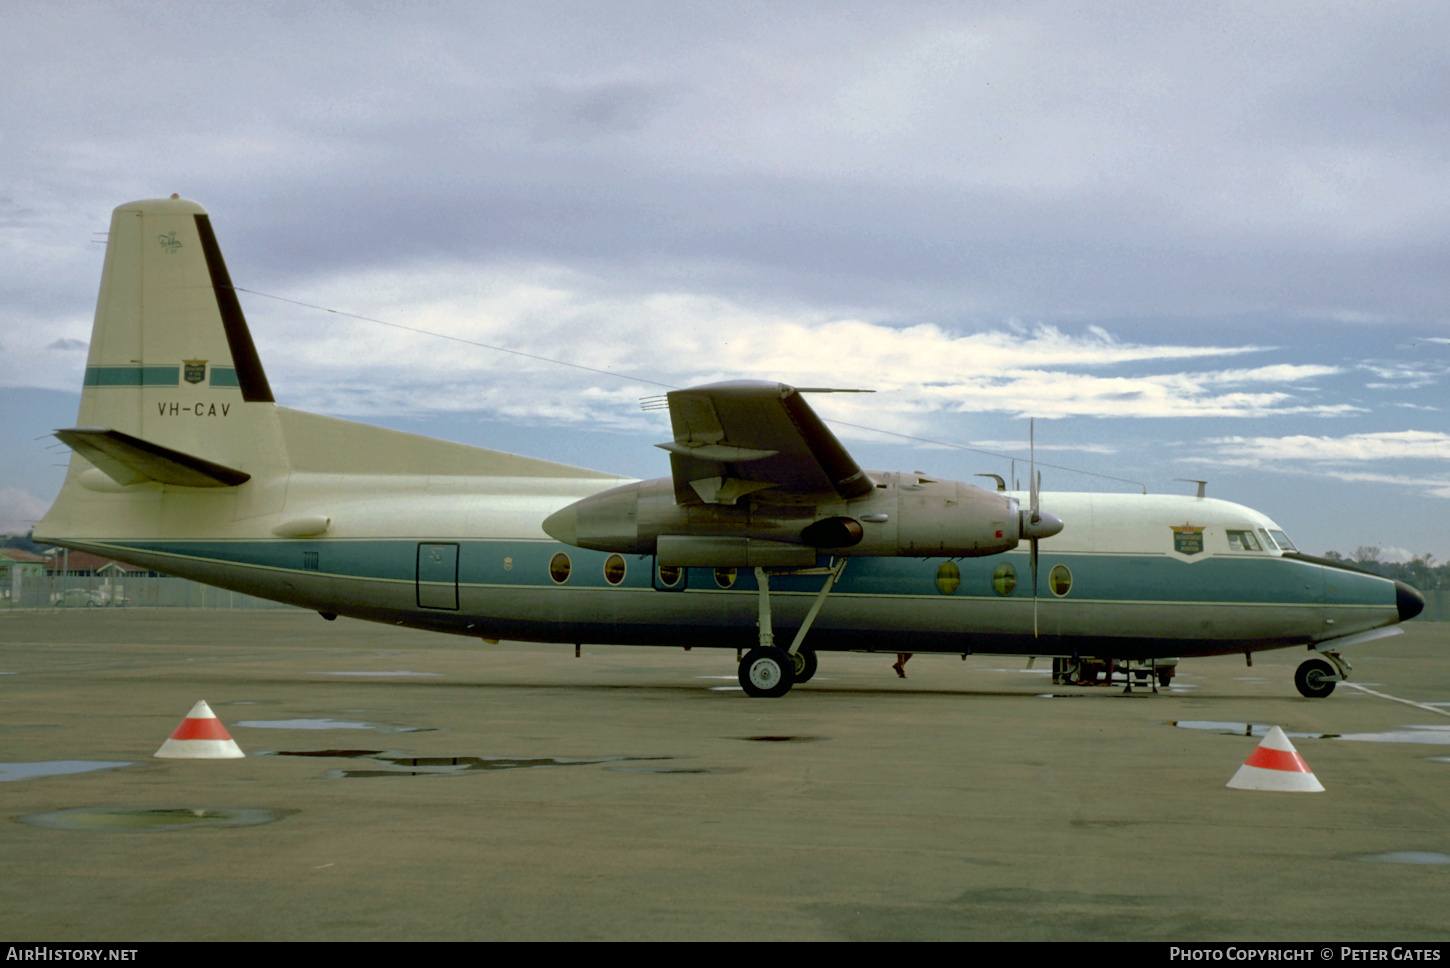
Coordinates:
(805,665)
(767,673)
(1312,679)
(1165,676)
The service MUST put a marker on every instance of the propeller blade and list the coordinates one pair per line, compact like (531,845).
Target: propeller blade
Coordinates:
(1034,587)
(1032,478)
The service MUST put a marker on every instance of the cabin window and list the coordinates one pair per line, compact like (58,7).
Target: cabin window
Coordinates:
(670,575)
(948,577)
(559,568)
(1059,579)
(1004,579)
(1242,541)
(614,569)
(724,577)
(1282,540)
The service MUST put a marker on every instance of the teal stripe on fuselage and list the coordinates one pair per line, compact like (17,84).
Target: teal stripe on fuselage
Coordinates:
(1103,578)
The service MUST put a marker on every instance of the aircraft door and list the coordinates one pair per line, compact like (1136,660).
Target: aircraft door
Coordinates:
(438,576)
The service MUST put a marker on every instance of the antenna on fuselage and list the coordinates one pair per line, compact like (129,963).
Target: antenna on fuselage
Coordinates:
(1202,485)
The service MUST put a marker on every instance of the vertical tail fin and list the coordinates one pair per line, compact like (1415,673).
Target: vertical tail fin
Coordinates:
(171,359)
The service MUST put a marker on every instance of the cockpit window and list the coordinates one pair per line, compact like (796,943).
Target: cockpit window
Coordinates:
(1243,541)
(1282,540)
(1268,541)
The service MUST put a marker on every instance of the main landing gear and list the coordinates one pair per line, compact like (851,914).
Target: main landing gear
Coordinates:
(1315,678)
(768,671)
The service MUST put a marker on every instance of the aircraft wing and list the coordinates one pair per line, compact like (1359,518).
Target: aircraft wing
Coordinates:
(748,437)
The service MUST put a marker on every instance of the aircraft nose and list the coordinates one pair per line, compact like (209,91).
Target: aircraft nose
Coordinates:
(1408,600)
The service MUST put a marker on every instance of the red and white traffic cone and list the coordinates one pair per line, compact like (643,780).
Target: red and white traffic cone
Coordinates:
(201,736)
(1276,765)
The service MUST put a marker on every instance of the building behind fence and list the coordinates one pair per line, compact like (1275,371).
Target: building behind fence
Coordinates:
(131,590)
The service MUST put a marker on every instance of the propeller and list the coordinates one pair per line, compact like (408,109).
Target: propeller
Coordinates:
(1036,524)
(1034,482)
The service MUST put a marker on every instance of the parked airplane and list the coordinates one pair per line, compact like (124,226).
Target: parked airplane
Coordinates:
(183,463)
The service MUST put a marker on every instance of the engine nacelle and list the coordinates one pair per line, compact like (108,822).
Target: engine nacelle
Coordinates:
(903,515)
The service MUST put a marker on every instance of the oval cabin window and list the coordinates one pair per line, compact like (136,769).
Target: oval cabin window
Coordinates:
(559,568)
(670,575)
(724,577)
(1004,579)
(948,578)
(614,569)
(1059,579)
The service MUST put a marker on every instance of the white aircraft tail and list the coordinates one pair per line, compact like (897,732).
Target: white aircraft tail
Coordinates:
(172,370)
(178,432)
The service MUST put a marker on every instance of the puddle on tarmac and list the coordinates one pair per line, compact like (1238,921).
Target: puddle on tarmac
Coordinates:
(404,764)
(27,771)
(672,769)
(1432,735)
(780,739)
(1428,735)
(400,672)
(330,724)
(142,819)
(1257,730)
(1406,857)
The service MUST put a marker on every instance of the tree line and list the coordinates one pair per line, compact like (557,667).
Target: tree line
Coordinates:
(1420,571)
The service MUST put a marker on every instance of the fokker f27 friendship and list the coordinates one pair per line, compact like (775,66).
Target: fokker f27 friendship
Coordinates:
(767,532)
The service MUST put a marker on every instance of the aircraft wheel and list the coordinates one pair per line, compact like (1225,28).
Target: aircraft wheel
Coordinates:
(1165,676)
(1312,679)
(767,673)
(805,665)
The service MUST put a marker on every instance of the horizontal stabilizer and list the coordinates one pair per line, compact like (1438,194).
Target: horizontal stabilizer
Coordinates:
(131,460)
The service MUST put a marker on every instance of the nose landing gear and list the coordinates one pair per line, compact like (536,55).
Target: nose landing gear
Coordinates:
(1315,678)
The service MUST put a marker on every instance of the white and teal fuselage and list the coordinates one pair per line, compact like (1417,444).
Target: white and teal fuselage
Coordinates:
(213,481)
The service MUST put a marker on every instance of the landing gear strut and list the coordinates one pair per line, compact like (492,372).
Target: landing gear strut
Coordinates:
(767,671)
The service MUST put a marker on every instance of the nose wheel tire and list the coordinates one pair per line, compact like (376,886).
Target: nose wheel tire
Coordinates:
(1314,679)
(805,665)
(767,673)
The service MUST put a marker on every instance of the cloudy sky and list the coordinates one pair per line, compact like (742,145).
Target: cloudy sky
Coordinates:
(1194,243)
